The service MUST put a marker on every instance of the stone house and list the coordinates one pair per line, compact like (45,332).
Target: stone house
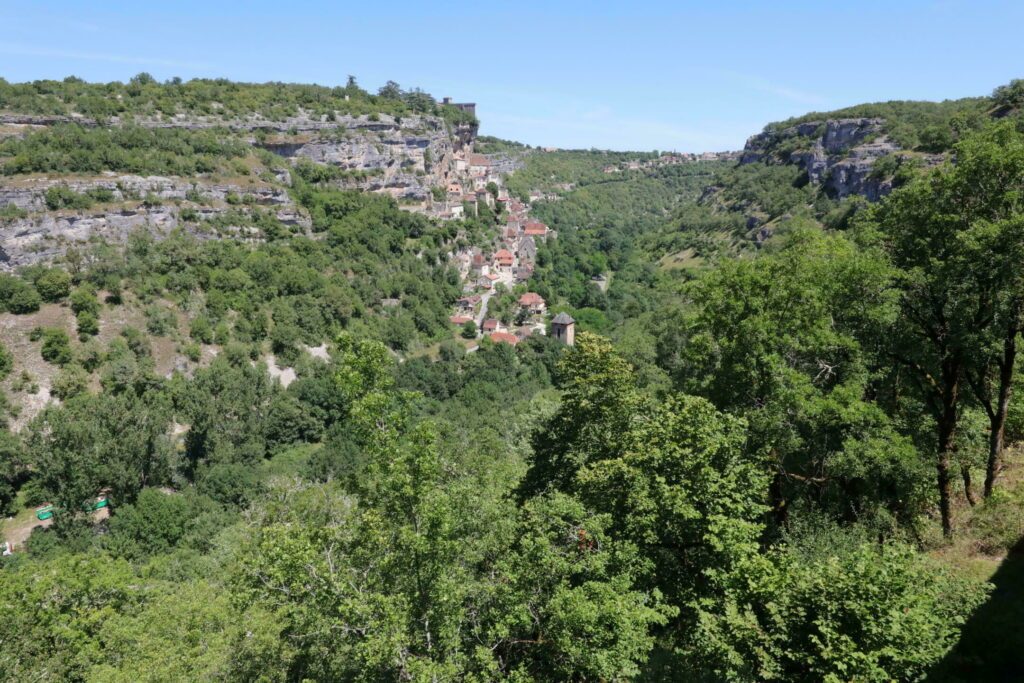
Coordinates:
(503,258)
(533,303)
(527,249)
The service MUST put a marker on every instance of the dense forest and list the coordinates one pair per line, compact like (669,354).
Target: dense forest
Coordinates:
(783,456)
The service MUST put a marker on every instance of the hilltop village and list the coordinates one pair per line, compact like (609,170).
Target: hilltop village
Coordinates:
(505,267)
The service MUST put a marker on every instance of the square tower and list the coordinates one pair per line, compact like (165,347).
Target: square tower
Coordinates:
(563,328)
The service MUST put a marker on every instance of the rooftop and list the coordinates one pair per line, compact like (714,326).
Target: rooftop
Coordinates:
(504,337)
(563,319)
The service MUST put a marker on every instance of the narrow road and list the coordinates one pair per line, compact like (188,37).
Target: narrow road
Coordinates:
(484,298)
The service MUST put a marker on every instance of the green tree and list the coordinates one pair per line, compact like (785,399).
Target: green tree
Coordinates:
(56,347)
(790,341)
(53,284)
(23,298)
(94,442)
(12,467)
(955,236)
(599,407)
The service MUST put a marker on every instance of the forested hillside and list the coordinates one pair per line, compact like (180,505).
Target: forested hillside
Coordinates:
(784,445)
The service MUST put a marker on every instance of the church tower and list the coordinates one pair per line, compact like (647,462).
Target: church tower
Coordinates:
(563,328)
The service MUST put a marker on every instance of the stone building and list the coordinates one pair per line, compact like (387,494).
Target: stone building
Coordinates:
(563,328)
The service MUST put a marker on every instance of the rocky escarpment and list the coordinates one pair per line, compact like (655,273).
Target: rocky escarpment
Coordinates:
(155,204)
(405,157)
(838,154)
(402,156)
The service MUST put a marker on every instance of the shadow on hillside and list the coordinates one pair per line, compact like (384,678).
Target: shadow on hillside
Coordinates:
(991,645)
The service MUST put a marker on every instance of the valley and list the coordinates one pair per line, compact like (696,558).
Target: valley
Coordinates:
(367,395)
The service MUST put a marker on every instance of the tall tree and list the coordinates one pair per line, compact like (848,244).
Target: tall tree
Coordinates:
(955,238)
(789,341)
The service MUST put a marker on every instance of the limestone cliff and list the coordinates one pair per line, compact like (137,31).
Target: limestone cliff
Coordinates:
(837,154)
(405,157)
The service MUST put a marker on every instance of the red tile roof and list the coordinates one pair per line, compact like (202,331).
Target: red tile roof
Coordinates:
(504,337)
(491,324)
(531,299)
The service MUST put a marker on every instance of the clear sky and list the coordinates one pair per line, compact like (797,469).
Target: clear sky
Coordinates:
(686,76)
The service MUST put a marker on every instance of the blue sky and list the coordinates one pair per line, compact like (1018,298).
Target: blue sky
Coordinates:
(687,76)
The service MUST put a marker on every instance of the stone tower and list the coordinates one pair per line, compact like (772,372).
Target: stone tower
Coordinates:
(563,328)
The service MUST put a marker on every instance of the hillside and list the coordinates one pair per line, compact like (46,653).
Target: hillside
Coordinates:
(306,383)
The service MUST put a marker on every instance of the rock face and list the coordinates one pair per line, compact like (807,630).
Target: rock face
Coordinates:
(405,157)
(44,235)
(838,154)
(29,193)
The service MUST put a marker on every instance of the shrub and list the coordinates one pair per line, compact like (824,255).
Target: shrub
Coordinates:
(6,362)
(56,347)
(88,325)
(23,298)
(160,320)
(201,330)
(192,351)
(230,484)
(83,299)
(11,212)
(100,194)
(63,197)
(155,523)
(53,284)
(998,524)
(71,381)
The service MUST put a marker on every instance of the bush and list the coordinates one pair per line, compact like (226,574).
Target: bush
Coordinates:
(230,484)
(998,523)
(63,197)
(160,320)
(192,351)
(83,299)
(100,194)
(201,330)
(6,362)
(12,212)
(288,421)
(76,537)
(23,298)
(71,381)
(56,347)
(34,494)
(155,523)
(53,285)
(88,325)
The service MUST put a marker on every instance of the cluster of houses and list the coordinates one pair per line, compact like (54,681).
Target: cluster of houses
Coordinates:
(473,173)
(562,325)
(510,262)
(671,159)
(514,254)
